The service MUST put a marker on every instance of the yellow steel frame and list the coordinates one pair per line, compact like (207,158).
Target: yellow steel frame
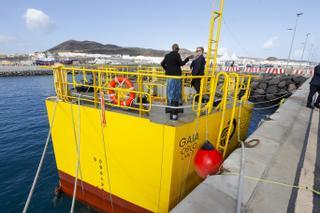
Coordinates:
(235,77)
(230,86)
(214,37)
(145,78)
(102,77)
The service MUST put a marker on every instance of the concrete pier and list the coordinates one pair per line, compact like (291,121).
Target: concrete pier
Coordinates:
(288,155)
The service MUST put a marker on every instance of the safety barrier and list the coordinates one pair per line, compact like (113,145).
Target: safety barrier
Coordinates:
(252,70)
(232,69)
(277,71)
(274,71)
(306,72)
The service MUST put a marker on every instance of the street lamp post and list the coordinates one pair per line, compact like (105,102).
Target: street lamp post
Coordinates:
(310,54)
(305,44)
(293,36)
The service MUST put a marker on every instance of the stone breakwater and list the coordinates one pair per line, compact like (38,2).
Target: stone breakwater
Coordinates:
(8,71)
(270,89)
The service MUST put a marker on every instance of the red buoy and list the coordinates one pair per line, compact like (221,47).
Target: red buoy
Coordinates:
(208,160)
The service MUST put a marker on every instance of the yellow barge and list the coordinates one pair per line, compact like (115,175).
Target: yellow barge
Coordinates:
(138,160)
(128,156)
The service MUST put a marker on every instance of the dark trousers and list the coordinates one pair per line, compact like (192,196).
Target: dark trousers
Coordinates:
(313,90)
(196,83)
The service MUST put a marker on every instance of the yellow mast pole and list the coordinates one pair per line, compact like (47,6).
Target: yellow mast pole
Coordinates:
(214,37)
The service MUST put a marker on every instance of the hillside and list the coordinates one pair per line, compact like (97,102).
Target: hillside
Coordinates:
(98,48)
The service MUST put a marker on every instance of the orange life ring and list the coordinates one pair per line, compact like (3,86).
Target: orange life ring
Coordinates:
(119,80)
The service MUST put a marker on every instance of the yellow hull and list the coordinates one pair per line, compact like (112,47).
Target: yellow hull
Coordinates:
(146,164)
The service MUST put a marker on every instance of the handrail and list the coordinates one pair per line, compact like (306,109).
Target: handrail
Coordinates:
(224,146)
(110,70)
(223,106)
(149,85)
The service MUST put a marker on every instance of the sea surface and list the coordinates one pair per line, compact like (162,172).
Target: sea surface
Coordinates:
(23,132)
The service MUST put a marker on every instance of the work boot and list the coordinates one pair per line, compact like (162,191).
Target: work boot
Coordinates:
(175,111)
(173,117)
(168,110)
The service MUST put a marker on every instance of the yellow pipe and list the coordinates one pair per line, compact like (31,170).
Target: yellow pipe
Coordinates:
(136,73)
(73,78)
(213,89)
(248,89)
(217,35)
(235,98)
(223,104)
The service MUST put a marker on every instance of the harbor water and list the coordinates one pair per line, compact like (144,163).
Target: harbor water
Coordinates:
(23,131)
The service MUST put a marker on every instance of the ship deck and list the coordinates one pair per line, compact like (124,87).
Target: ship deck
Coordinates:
(157,113)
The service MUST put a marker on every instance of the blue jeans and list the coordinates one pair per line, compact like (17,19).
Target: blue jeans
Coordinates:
(174,89)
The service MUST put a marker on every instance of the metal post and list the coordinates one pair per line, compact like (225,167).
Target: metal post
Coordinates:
(293,36)
(304,46)
(310,54)
(95,89)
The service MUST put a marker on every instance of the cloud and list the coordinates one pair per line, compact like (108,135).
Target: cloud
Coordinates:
(38,21)
(6,39)
(270,42)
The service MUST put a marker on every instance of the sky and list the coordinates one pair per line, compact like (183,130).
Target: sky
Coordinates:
(252,28)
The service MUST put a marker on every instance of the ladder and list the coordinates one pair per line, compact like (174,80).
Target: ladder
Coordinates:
(214,37)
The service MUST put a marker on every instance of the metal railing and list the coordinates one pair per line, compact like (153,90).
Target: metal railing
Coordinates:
(147,88)
(150,83)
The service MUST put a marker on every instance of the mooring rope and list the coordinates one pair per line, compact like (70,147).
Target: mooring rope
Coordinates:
(274,182)
(268,107)
(255,96)
(76,144)
(243,144)
(268,101)
(242,163)
(41,161)
(171,107)
(78,159)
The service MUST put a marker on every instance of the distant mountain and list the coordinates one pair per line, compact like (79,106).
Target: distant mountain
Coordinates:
(98,48)
(272,59)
